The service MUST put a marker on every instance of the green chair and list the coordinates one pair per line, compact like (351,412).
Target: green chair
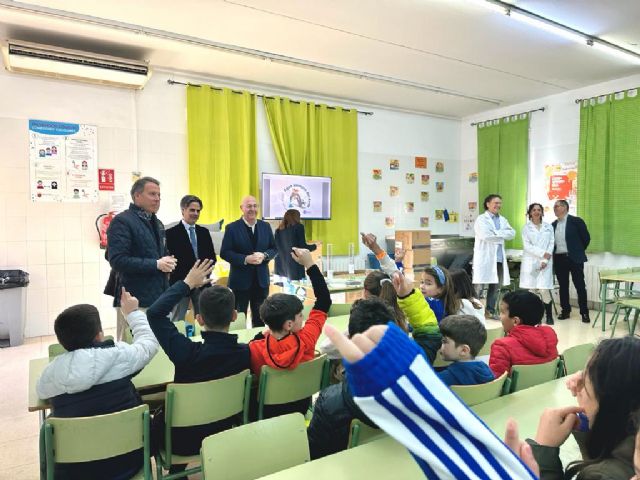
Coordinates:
(630,305)
(191,404)
(609,286)
(361,433)
(256,449)
(56,349)
(525,376)
(86,439)
(240,323)
(492,334)
(337,309)
(475,394)
(284,386)
(575,358)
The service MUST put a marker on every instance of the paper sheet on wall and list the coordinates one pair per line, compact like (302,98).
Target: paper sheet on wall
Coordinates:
(63,161)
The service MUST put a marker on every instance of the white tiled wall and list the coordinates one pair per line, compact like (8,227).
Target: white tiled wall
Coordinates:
(58,243)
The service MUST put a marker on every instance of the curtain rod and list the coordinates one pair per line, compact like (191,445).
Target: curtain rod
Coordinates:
(541,109)
(578,100)
(174,82)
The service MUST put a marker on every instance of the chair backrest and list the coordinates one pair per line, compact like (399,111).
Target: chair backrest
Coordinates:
(56,349)
(525,376)
(84,439)
(475,394)
(575,358)
(275,444)
(361,433)
(190,404)
(240,323)
(492,334)
(337,309)
(283,386)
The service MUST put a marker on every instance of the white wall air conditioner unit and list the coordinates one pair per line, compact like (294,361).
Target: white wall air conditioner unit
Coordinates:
(48,61)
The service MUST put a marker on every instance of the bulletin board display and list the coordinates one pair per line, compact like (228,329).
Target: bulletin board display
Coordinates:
(63,160)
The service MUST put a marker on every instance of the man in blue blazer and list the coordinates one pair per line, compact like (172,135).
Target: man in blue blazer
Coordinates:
(188,242)
(248,245)
(571,240)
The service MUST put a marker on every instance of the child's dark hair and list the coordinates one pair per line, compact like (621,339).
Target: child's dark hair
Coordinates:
(443,280)
(525,305)
(76,327)
(278,308)
(378,284)
(367,312)
(615,378)
(463,287)
(464,330)
(217,304)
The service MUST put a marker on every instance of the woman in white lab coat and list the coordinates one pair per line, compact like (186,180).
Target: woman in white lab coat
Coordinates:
(489,240)
(536,271)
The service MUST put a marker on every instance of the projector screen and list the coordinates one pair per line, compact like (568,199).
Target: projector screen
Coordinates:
(311,196)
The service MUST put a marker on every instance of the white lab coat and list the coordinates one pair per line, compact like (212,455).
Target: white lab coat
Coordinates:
(485,254)
(535,244)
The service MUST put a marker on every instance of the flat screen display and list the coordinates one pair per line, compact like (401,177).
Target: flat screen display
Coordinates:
(311,196)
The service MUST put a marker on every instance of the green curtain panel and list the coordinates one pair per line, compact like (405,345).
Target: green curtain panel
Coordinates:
(313,139)
(608,172)
(223,161)
(503,168)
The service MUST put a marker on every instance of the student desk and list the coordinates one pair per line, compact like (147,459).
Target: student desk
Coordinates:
(383,458)
(628,278)
(157,373)
(525,407)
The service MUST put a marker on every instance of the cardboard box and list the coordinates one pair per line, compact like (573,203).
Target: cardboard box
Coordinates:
(417,247)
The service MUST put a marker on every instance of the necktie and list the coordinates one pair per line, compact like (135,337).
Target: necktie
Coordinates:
(194,242)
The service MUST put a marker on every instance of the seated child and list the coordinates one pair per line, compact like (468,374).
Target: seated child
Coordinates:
(463,288)
(219,355)
(94,378)
(462,338)
(288,342)
(437,288)
(527,342)
(334,409)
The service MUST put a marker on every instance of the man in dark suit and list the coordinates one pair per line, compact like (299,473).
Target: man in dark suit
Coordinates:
(188,242)
(248,245)
(571,240)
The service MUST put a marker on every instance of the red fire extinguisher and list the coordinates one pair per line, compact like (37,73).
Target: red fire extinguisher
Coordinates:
(102,224)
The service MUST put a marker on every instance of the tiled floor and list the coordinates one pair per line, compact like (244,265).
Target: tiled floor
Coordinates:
(19,428)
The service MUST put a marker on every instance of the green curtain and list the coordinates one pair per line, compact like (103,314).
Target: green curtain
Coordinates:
(223,160)
(313,139)
(503,168)
(608,172)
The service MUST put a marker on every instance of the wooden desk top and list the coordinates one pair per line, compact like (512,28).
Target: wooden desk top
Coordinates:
(383,458)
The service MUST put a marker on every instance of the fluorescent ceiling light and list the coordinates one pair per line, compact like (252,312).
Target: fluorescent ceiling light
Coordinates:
(618,52)
(548,27)
(559,29)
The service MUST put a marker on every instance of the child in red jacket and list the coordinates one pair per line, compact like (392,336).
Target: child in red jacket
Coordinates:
(527,341)
(288,342)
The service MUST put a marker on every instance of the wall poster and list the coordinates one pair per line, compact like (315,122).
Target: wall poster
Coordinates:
(63,161)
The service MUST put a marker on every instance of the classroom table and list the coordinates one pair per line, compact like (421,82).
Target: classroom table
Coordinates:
(352,288)
(158,372)
(383,458)
(526,407)
(628,278)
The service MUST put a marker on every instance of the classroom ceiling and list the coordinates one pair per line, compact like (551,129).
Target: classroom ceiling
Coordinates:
(445,57)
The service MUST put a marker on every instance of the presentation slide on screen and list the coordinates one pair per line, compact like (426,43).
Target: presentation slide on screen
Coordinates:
(311,196)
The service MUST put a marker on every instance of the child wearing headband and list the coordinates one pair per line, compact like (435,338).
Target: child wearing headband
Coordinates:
(437,288)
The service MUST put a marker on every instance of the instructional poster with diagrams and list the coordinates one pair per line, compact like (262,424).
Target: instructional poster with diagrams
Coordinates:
(63,161)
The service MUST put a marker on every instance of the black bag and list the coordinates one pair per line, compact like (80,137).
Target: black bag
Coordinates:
(13,279)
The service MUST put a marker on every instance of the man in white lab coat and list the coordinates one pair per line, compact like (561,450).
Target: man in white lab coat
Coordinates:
(489,257)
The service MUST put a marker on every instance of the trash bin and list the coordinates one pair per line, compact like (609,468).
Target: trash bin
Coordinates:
(13,306)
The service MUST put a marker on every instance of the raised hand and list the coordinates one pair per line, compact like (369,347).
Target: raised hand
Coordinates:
(359,345)
(402,284)
(302,256)
(520,448)
(198,276)
(370,241)
(128,303)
